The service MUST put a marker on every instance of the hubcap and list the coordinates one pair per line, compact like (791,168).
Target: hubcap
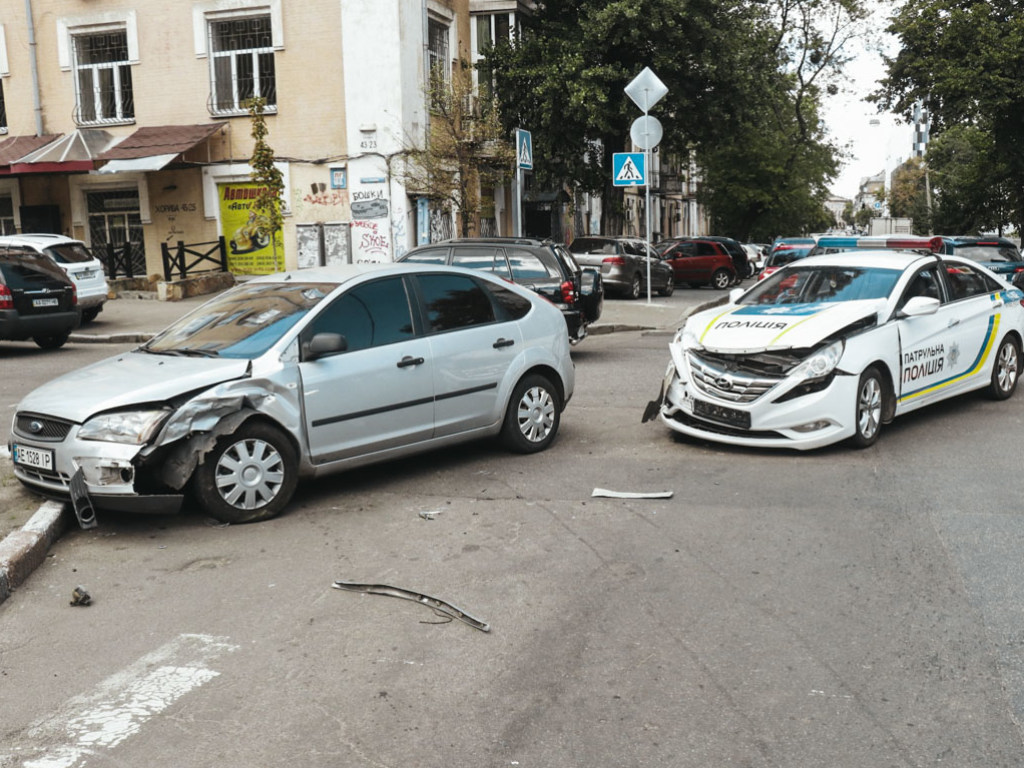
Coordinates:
(869,408)
(536,414)
(1007,374)
(250,474)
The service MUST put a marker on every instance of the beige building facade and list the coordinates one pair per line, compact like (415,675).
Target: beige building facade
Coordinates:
(126,121)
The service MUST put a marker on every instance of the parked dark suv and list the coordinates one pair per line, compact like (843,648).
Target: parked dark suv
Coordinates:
(543,266)
(38,301)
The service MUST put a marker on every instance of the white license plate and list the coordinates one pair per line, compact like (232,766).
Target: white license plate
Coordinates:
(33,457)
(87,274)
(45,302)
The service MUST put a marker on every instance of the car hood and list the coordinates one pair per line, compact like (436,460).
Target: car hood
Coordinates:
(128,379)
(749,329)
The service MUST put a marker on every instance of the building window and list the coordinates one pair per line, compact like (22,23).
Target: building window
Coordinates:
(3,110)
(241,64)
(103,78)
(6,216)
(437,51)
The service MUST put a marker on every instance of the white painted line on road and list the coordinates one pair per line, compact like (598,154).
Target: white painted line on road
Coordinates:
(123,703)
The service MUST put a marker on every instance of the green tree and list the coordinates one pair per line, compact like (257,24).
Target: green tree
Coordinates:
(267,175)
(967,181)
(734,69)
(848,219)
(964,61)
(466,148)
(908,195)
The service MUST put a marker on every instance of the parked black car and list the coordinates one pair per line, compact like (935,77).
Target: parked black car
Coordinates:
(543,266)
(38,300)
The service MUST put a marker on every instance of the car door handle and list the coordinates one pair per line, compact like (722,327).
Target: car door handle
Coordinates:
(953,322)
(406,361)
(503,343)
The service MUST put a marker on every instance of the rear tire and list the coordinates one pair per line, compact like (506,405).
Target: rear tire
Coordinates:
(868,408)
(250,475)
(52,340)
(633,292)
(1005,370)
(533,415)
(670,286)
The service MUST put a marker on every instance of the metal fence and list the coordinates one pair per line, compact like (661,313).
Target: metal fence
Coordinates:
(176,260)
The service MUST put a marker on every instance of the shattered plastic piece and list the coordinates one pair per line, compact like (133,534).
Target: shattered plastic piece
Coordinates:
(80,501)
(438,605)
(630,495)
(80,597)
(430,515)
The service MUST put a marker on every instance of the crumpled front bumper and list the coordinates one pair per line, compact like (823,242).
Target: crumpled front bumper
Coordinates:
(803,422)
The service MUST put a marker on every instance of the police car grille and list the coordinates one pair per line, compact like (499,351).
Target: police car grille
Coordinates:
(734,385)
(41,427)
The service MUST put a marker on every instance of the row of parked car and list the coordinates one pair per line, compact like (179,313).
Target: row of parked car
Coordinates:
(49,285)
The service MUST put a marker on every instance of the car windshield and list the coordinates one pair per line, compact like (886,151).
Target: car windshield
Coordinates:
(988,254)
(818,284)
(241,323)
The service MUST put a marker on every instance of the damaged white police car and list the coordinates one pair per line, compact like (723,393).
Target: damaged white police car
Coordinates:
(296,375)
(832,347)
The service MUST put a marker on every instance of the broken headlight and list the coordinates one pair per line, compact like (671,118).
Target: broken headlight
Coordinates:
(131,427)
(821,363)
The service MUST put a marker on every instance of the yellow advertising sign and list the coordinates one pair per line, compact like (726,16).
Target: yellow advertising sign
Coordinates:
(250,250)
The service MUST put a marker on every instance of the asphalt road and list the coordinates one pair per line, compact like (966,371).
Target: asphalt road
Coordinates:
(841,608)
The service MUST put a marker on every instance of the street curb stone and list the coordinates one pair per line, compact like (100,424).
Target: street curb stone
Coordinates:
(22,551)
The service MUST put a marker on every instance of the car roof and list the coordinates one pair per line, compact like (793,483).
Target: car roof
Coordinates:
(343,273)
(39,240)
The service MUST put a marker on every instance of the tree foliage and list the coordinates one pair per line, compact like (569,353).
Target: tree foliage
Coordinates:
(466,148)
(745,81)
(964,60)
(267,175)
(909,195)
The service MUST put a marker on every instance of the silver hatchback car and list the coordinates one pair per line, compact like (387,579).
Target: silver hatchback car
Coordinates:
(297,375)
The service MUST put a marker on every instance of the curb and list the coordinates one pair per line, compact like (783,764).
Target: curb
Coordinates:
(24,550)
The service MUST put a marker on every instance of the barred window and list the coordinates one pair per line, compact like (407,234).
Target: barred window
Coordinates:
(437,51)
(103,78)
(241,64)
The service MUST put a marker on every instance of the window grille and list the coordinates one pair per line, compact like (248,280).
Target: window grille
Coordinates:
(6,216)
(437,51)
(241,64)
(103,79)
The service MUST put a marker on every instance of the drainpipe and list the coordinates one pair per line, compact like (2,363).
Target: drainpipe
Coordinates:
(36,100)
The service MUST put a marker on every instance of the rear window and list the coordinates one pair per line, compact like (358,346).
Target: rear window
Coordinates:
(988,254)
(593,245)
(528,265)
(69,253)
(27,270)
(787,256)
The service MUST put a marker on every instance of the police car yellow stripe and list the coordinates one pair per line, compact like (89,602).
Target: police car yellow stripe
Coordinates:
(979,362)
(794,325)
(714,320)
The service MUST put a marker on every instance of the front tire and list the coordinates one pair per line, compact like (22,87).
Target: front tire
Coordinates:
(533,415)
(1005,370)
(721,279)
(249,475)
(88,315)
(670,286)
(868,408)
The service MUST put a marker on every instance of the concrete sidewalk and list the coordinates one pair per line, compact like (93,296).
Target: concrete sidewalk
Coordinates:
(135,319)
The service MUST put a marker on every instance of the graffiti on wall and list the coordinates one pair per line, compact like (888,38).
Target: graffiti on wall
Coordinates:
(370,241)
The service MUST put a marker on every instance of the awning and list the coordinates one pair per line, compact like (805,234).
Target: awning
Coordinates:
(75,152)
(15,147)
(155,147)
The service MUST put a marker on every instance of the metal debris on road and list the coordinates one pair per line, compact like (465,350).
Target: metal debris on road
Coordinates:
(603,492)
(430,515)
(438,605)
(80,597)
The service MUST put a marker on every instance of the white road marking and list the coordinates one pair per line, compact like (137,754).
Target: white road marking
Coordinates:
(123,703)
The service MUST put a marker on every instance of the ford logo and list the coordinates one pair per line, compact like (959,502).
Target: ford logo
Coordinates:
(724,382)
(35,427)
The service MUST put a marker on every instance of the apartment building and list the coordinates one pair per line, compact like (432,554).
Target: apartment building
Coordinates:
(127,121)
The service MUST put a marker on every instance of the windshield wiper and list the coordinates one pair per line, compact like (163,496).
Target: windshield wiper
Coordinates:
(181,352)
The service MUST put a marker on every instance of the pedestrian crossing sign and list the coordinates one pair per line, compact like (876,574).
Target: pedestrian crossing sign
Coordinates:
(628,169)
(524,149)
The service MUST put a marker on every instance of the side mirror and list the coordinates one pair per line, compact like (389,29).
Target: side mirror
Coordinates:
(324,345)
(918,306)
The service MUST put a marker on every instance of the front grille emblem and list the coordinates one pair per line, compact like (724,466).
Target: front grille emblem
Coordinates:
(35,427)
(724,383)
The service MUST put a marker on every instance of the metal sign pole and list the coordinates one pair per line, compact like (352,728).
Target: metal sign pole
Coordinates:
(647,198)
(518,217)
